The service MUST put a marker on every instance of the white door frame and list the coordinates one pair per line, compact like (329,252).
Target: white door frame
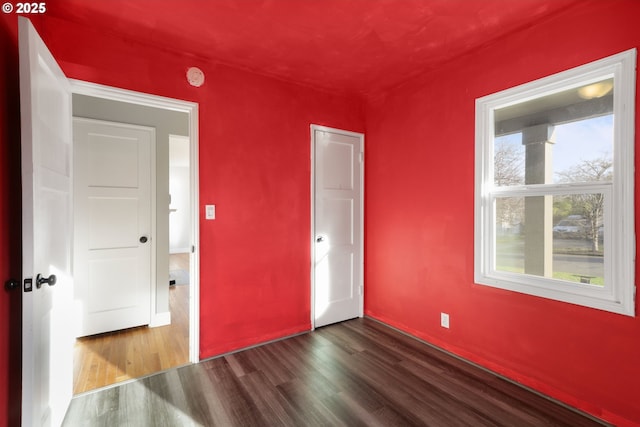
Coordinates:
(191,108)
(360,136)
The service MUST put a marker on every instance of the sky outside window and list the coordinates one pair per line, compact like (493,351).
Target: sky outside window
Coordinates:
(575,143)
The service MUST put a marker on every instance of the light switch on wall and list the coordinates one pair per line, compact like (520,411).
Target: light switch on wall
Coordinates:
(210,212)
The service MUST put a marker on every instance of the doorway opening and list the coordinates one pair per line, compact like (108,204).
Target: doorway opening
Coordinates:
(171,337)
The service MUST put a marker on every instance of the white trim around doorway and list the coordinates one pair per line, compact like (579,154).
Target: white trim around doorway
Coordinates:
(191,108)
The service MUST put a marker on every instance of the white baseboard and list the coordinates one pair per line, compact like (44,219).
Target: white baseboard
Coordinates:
(160,319)
(179,251)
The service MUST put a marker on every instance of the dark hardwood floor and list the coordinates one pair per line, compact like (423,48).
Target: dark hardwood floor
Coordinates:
(356,373)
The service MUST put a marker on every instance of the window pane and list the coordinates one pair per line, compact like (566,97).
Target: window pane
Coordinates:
(569,245)
(583,150)
(508,158)
(557,138)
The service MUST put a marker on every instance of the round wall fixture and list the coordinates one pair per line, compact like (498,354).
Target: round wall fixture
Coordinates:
(195,76)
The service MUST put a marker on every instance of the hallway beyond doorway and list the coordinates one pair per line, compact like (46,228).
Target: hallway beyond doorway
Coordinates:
(105,359)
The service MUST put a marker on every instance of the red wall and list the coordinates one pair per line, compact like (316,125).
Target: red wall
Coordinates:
(254,165)
(419,227)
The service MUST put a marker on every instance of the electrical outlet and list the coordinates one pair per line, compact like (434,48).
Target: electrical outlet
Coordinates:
(444,320)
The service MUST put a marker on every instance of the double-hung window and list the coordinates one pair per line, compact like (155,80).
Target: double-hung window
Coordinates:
(554,207)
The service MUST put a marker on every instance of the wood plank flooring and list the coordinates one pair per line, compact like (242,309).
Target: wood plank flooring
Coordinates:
(105,359)
(355,373)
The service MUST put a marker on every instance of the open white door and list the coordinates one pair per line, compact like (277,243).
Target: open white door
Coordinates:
(47,338)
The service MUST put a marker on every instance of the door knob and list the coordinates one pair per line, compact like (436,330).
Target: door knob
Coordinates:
(320,239)
(143,239)
(40,280)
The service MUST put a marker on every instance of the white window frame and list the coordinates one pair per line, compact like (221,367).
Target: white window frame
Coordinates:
(618,294)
